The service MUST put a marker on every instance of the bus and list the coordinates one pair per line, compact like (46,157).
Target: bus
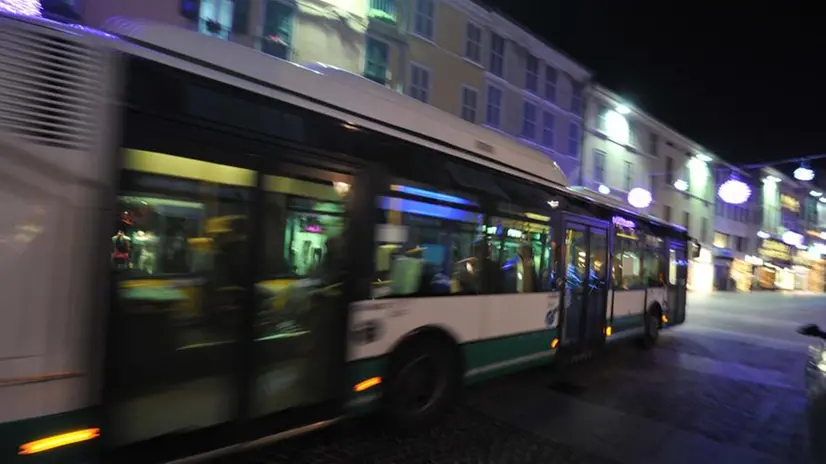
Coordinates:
(205,248)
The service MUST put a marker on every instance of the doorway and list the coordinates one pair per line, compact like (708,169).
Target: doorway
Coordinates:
(585,261)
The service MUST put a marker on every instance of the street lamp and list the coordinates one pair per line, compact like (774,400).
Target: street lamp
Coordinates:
(704,158)
(21,7)
(815,193)
(804,173)
(771,179)
(681,185)
(622,109)
(603,189)
(639,197)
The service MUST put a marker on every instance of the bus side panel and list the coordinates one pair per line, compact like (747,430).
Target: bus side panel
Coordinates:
(55,122)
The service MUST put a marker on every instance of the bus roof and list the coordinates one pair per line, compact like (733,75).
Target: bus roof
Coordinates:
(355,100)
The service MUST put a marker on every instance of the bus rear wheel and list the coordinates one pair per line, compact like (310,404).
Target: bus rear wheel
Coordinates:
(652,330)
(423,384)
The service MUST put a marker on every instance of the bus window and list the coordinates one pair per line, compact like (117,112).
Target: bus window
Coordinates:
(429,245)
(627,268)
(523,253)
(297,294)
(178,258)
(654,267)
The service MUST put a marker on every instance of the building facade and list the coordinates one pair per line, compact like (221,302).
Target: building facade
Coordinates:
(456,55)
(791,242)
(735,239)
(629,155)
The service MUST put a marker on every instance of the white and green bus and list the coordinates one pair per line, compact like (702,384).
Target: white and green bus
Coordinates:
(204,248)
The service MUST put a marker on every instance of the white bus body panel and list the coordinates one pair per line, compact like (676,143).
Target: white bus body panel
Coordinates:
(55,92)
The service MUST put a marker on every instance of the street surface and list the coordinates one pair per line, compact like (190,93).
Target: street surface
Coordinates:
(726,387)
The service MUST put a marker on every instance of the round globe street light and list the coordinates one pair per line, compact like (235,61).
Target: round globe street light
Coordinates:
(734,191)
(639,197)
(681,185)
(603,189)
(804,173)
(816,193)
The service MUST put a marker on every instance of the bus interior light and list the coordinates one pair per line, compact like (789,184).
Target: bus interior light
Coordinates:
(430,194)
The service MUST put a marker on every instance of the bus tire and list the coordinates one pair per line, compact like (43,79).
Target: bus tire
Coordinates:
(652,328)
(423,383)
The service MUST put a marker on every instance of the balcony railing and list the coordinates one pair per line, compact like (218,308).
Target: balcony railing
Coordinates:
(383,10)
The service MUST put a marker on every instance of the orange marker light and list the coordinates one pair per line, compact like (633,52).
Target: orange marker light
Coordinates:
(608,331)
(365,384)
(56,441)
(665,319)
(554,343)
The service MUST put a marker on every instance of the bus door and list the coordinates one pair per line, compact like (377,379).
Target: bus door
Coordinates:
(585,267)
(677,277)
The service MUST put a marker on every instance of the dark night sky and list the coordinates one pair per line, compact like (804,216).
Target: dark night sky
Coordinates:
(742,81)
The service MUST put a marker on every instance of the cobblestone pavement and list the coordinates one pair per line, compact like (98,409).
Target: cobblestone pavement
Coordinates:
(730,396)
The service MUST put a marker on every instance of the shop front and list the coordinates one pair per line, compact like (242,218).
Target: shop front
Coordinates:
(701,272)
(775,272)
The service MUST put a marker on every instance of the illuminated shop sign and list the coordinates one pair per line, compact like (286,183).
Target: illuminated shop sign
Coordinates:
(622,222)
(773,249)
(790,203)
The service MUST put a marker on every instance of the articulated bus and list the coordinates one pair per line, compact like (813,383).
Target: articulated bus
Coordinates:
(205,248)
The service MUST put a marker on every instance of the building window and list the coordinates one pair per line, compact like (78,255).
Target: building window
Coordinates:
(375,63)
(215,18)
(667,215)
(529,120)
(652,183)
(704,230)
(383,10)
(419,83)
(599,166)
(423,13)
(532,74)
(720,240)
(576,99)
(573,139)
(653,141)
(278,30)
(669,170)
(473,43)
(493,112)
(497,55)
(470,99)
(686,220)
(551,77)
(628,179)
(548,124)
(742,243)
